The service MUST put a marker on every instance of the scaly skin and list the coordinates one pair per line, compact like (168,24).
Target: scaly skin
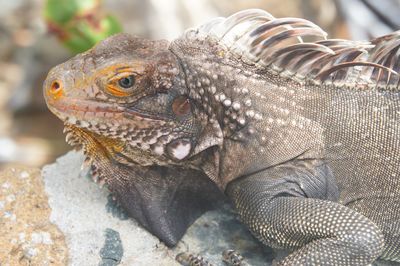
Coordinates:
(303,138)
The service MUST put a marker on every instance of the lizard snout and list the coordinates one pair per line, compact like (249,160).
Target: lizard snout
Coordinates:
(58,90)
(58,85)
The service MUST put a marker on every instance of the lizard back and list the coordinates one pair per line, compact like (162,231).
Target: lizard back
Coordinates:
(336,98)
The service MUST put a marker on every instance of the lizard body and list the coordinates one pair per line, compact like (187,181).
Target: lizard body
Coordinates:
(302,136)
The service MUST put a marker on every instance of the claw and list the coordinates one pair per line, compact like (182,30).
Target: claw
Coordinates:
(101,182)
(87,162)
(68,137)
(233,258)
(95,174)
(187,259)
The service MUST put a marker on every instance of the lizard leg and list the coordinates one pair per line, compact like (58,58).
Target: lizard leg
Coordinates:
(385,212)
(233,258)
(286,207)
(187,259)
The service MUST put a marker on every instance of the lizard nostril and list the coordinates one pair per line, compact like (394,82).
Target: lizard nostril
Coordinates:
(55,87)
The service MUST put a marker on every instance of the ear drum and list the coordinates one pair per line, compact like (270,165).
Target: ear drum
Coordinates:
(181,106)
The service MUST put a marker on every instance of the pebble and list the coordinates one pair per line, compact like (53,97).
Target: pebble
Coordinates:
(10,198)
(41,238)
(21,237)
(6,185)
(30,252)
(9,215)
(24,174)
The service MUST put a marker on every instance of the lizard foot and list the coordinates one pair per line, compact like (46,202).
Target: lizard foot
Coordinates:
(188,259)
(233,258)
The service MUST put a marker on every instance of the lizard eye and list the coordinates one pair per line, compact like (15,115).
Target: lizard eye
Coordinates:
(127,82)
(122,85)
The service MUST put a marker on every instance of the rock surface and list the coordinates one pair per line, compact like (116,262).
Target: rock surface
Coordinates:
(69,220)
(26,235)
(98,232)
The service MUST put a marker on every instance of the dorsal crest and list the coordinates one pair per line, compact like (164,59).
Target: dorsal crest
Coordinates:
(299,48)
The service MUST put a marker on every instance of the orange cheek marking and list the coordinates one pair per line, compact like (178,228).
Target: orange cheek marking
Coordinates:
(117,92)
(58,95)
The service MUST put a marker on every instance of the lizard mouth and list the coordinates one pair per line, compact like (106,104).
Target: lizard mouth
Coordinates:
(84,109)
(76,112)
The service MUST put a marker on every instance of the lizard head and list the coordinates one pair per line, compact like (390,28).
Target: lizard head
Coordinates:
(126,103)
(129,90)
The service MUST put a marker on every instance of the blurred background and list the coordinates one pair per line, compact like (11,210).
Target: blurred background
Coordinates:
(38,34)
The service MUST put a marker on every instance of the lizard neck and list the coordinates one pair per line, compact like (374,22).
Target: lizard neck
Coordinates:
(258,112)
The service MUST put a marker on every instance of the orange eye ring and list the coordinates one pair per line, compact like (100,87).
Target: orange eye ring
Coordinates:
(115,90)
(122,85)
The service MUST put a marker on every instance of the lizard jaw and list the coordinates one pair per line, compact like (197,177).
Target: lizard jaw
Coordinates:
(97,152)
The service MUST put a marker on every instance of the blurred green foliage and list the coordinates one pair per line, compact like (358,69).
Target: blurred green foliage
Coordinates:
(79,24)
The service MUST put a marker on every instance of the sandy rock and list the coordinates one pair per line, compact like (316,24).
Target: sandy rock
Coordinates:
(27,237)
(98,231)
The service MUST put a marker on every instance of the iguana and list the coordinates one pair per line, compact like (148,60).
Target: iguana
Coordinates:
(300,132)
